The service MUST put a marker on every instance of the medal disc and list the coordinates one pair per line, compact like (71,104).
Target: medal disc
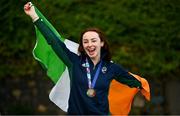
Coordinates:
(91,92)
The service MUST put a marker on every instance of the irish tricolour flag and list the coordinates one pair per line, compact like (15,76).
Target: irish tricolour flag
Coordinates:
(119,94)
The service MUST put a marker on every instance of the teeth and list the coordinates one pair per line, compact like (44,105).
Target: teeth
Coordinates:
(92,49)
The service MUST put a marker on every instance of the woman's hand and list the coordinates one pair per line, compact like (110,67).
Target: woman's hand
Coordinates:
(30,11)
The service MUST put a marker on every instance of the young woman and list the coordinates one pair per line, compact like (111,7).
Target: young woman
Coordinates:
(91,72)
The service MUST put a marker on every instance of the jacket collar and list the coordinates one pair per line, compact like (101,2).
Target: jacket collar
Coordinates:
(84,56)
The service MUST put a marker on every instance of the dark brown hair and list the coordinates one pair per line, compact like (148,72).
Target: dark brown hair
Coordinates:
(105,48)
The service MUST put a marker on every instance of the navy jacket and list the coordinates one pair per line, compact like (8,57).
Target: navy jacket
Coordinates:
(79,102)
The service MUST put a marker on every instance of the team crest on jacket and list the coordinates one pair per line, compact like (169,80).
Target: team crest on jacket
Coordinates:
(104,69)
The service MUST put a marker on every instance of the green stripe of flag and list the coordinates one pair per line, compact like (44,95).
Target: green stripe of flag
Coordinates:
(45,54)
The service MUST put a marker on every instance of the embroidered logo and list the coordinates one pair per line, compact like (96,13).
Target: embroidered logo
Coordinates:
(104,69)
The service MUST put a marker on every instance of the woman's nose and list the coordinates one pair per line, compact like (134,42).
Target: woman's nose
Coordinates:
(90,44)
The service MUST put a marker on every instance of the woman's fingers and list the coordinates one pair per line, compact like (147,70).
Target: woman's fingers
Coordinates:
(30,10)
(27,6)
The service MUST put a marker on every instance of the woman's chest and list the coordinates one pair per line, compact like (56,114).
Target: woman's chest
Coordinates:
(100,79)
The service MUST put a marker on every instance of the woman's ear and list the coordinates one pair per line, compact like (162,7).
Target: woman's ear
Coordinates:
(102,43)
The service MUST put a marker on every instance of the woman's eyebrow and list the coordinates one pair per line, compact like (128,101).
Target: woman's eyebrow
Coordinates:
(85,39)
(93,38)
(90,39)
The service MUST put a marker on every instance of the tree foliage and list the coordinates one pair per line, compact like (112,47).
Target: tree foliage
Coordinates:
(143,34)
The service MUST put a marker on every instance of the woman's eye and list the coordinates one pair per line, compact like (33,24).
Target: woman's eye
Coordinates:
(94,40)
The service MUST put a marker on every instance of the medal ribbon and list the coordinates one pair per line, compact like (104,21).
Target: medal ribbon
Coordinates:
(91,85)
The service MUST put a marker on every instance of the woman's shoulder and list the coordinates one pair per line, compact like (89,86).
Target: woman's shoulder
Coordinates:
(115,66)
(111,64)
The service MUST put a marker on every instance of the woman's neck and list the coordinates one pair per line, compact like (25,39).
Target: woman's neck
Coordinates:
(95,60)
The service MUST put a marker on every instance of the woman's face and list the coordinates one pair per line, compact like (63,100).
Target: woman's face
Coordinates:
(92,44)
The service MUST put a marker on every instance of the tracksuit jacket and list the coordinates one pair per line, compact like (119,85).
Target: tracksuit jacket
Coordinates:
(79,102)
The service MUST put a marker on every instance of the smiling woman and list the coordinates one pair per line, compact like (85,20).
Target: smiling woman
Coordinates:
(91,72)
(92,45)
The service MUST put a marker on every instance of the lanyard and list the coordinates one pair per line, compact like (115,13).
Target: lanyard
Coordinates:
(91,85)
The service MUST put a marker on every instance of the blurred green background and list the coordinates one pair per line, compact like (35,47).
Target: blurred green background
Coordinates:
(143,34)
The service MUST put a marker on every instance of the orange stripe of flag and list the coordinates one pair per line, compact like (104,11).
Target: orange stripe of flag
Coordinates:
(121,96)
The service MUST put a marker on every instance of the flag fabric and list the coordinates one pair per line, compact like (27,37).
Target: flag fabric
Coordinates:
(121,96)
(56,69)
(44,53)
(59,95)
(58,73)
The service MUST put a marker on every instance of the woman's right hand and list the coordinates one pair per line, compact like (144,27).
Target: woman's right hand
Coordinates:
(30,11)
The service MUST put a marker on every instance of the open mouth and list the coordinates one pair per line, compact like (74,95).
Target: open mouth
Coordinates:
(91,51)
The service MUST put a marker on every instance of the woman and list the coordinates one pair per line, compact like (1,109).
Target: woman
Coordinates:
(91,71)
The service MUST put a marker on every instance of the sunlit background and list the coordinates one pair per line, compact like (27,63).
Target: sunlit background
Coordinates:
(144,36)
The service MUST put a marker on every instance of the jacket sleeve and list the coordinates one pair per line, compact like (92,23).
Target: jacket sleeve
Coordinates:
(57,45)
(123,76)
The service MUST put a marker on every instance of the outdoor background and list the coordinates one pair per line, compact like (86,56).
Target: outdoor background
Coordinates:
(143,35)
